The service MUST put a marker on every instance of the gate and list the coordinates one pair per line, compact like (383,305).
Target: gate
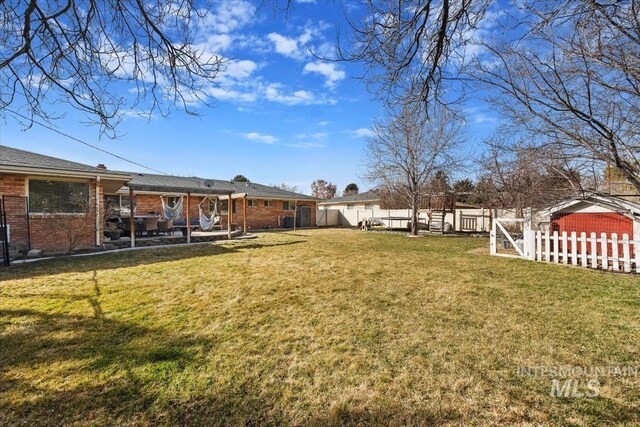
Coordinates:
(14,227)
(511,237)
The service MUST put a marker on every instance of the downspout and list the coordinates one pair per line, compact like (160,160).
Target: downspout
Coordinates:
(98,222)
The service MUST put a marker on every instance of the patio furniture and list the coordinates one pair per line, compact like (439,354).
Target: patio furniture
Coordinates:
(165,226)
(149,224)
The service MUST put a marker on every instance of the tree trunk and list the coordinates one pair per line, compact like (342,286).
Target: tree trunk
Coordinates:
(414,216)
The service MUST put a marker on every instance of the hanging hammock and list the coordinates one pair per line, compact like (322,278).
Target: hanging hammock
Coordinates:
(207,224)
(171,212)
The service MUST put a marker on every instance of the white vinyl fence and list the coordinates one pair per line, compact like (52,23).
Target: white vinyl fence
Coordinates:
(470,220)
(604,252)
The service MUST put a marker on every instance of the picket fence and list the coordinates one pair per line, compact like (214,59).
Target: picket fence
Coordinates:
(603,252)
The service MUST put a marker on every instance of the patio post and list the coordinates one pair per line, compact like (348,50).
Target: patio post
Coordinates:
(229,216)
(188,217)
(132,219)
(295,214)
(244,213)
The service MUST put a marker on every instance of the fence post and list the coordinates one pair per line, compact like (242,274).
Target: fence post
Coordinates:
(614,252)
(605,249)
(556,247)
(565,248)
(594,251)
(583,249)
(529,245)
(547,246)
(539,245)
(492,239)
(636,252)
(574,248)
(626,255)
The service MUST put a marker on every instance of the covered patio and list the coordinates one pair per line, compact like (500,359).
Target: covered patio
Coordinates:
(186,189)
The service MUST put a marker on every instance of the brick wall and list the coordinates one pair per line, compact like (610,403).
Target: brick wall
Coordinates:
(49,232)
(261,216)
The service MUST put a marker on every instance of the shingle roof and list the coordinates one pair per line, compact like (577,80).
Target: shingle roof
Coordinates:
(153,182)
(631,209)
(367,196)
(14,157)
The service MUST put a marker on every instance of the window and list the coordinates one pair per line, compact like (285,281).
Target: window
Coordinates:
(118,204)
(268,203)
(288,205)
(171,201)
(252,203)
(224,206)
(351,206)
(58,196)
(369,206)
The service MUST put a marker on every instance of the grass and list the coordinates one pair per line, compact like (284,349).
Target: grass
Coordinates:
(312,328)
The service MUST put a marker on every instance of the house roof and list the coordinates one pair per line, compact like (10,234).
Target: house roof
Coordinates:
(367,196)
(15,159)
(197,185)
(616,204)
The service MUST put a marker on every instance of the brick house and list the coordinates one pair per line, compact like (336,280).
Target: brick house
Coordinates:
(56,205)
(53,203)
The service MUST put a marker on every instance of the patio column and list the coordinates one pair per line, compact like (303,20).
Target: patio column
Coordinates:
(132,219)
(188,217)
(244,214)
(295,214)
(229,216)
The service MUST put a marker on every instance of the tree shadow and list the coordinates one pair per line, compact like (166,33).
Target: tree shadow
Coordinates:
(124,259)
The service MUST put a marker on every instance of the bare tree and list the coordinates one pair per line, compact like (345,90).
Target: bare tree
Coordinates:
(573,83)
(288,187)
(526,177)
(323,189)
(407,150)
(80,53)
(412,44)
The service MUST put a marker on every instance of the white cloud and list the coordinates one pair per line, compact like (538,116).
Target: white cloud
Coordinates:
(231,95)
(284,45)
(239,69)
(483,118)
(255,136)
(230,15)
(274,93)
(329,70)
(324,123)
(361,132)
(298,47)
(306,1)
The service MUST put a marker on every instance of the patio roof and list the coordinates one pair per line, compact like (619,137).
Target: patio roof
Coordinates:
(175,184)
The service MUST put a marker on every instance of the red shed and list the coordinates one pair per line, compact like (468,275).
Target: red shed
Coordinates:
(597,214)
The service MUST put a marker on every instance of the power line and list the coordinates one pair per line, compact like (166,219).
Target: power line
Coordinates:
(73,138)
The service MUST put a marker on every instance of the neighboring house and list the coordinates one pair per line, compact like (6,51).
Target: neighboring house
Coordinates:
(368,200)
(53,204)
(49,201)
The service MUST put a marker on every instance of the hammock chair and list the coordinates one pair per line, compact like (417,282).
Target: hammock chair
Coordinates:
(207,224)
(172,212)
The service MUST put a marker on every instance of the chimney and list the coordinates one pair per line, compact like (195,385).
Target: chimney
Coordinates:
(101,167)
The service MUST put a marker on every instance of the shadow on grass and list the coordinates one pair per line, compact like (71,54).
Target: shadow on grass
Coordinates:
(124,259)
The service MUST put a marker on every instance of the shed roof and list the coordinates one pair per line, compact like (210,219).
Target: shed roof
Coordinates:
(616,204)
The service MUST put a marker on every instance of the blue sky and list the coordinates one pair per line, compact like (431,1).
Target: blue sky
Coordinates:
(280,114)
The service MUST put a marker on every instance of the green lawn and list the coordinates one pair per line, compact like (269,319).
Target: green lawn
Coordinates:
(312,328)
